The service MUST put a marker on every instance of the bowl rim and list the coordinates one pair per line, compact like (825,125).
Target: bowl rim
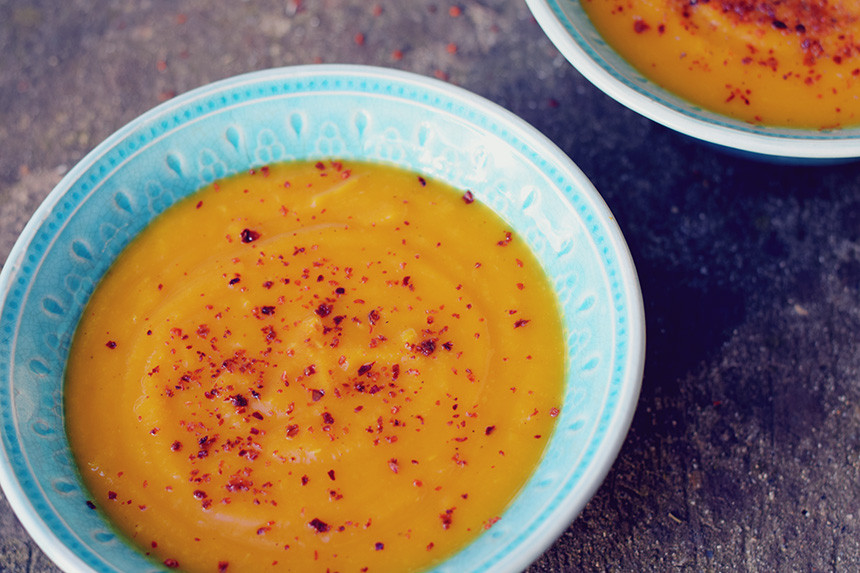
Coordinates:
(615,432)
(723,131)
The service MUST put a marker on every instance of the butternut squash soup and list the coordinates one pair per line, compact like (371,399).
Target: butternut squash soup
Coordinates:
(792,63)
(325,366)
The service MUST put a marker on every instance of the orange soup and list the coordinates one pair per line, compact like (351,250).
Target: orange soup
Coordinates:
(793,63)
(315,367)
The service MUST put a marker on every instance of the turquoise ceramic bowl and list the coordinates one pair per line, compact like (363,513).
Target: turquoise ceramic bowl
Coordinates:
(303,113)
(569,28)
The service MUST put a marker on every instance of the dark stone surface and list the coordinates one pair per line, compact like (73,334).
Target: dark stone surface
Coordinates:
(744,454)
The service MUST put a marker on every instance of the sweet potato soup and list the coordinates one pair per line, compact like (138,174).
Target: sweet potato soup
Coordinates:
(315,367)
(789,63)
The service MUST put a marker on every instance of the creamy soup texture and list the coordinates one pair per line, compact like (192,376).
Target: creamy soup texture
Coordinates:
(315,366)
(792,63)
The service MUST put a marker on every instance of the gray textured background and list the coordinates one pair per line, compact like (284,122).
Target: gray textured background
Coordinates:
(743,455)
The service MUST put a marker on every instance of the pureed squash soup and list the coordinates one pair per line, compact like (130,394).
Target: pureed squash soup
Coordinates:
(327,366)
(791,63)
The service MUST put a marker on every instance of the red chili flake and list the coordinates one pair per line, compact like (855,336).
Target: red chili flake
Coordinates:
(316,395)
(222,566)
(397,55)
(373,316)
(239,401)
(323,310)
(422,181)
(310,371)
(455,11)
(176,446)
(406,280)
(491,522)
(489,430)
(257,415)
(379,546)
(90,504)
(451,48)
(153,431)
(111,344)
(521,286)
(200,494)
(640,26)
(553,412)
(393,465)
(506,241)
(468,197)
(395,371)
(111,495)
(359,39)
(447,518)
(235,280)
(521,322)
(340,290)
(172,563)
(319,525)
(331,475)
(263,530)
(427,347)
(365,368)
(327,418)
(292,430)
(269,310)
(338,319)
(249,236)
(305,480)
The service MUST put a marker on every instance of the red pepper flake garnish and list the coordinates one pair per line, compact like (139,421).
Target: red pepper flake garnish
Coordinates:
(340,290)
(319,525)
(235,280)
(176,446)
(305,480)
(447,518)
(292,430)
(199,204)
(393,465)
(327,418)
(249,236)
(379,546)
(373,316)
(111,344)
(491,522)
(323,310)
(268,310)
(316,395)
(199,494)
(506,241)
(263,530)
(90,504)
(521,286)
(310,371)
(331,475)
(521,322)
(455,11)
(111,495)
(422,181)
(172,563)
(427,347)
(365,368)
(468,197)
(553,412)
(239,401)
(640,26)
(397,55)
(222,566)
(359,39)
(489,430)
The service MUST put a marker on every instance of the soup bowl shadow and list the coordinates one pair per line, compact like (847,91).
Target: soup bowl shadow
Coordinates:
(301,113)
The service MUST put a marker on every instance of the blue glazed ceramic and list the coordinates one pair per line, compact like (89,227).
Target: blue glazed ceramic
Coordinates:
(569,28)
(303,113)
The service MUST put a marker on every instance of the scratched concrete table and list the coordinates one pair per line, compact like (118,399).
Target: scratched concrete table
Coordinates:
(744,454)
